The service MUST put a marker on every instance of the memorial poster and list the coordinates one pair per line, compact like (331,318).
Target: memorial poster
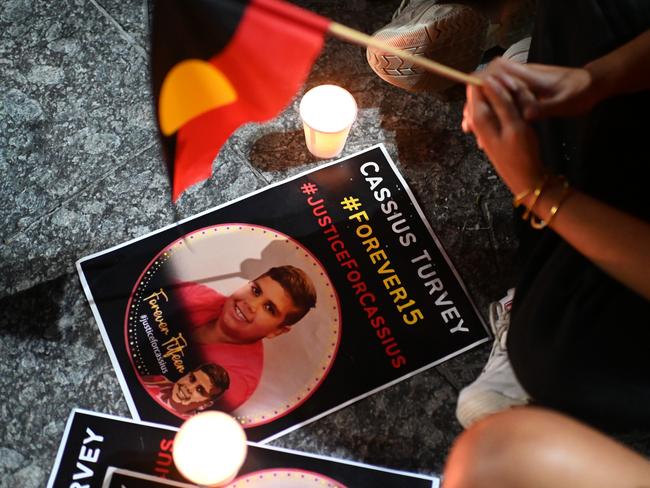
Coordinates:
(284,305)
(103,451)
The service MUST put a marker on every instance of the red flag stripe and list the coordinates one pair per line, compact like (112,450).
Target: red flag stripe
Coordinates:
(292,14)
(267,60)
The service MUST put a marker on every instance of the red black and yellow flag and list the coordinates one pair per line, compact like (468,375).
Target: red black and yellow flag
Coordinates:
(220,63)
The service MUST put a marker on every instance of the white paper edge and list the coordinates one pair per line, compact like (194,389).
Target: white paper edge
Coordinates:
(144,476)
(433,235)
(107,343)
(59,453)
(434,479)
(68,425)
(116,365)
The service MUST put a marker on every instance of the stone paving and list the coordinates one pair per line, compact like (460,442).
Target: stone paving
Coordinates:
(81,171)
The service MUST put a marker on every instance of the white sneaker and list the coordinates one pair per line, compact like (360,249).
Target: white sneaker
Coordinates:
(518,52)
(449,33)
(452,32)
(496,388)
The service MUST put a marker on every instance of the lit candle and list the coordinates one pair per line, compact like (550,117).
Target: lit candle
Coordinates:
(209,448)
(327,113)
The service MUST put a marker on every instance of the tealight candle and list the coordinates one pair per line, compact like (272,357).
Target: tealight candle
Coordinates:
(327,113)
(209,448)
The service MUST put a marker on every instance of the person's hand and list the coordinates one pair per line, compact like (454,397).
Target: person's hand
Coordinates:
(491,113)
(545,91)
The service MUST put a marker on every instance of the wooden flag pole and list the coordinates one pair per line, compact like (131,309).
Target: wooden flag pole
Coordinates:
(356,37)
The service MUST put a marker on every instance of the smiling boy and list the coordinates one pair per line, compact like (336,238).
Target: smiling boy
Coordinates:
(191,393)
(229,330)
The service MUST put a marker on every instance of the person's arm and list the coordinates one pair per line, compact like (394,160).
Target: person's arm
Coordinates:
(545,90)
(624,70)
(616,242)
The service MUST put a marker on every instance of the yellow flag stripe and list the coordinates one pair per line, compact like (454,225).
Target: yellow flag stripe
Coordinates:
(191,88)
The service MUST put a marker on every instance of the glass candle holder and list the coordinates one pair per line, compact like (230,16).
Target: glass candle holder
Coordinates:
(327,113)
(210,448)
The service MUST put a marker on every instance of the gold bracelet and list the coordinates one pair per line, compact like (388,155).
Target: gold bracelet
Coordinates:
(516,201)
(566,191)
(536,193)
(536,222)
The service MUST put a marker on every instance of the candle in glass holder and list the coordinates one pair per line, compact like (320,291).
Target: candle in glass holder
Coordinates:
(327,113)
(209,448)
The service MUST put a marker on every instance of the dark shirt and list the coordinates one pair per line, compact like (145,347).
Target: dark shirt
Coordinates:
(578,339)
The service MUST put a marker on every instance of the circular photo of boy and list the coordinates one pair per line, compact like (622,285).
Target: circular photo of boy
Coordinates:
(233,317)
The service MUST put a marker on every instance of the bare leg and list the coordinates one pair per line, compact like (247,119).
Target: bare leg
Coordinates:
(536,448)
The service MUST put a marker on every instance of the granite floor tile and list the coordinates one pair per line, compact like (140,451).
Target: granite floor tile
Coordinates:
(408,426)
(130,18)
(58,362)
(74,103)
(464,369)
(108,213)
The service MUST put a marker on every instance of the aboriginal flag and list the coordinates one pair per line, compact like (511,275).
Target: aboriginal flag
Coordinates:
(220,63)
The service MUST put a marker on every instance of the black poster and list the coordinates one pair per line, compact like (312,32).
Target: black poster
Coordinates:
(103,451)
(283,305)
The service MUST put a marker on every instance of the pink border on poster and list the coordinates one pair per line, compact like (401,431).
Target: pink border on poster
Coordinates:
(277,234)
(249,476)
